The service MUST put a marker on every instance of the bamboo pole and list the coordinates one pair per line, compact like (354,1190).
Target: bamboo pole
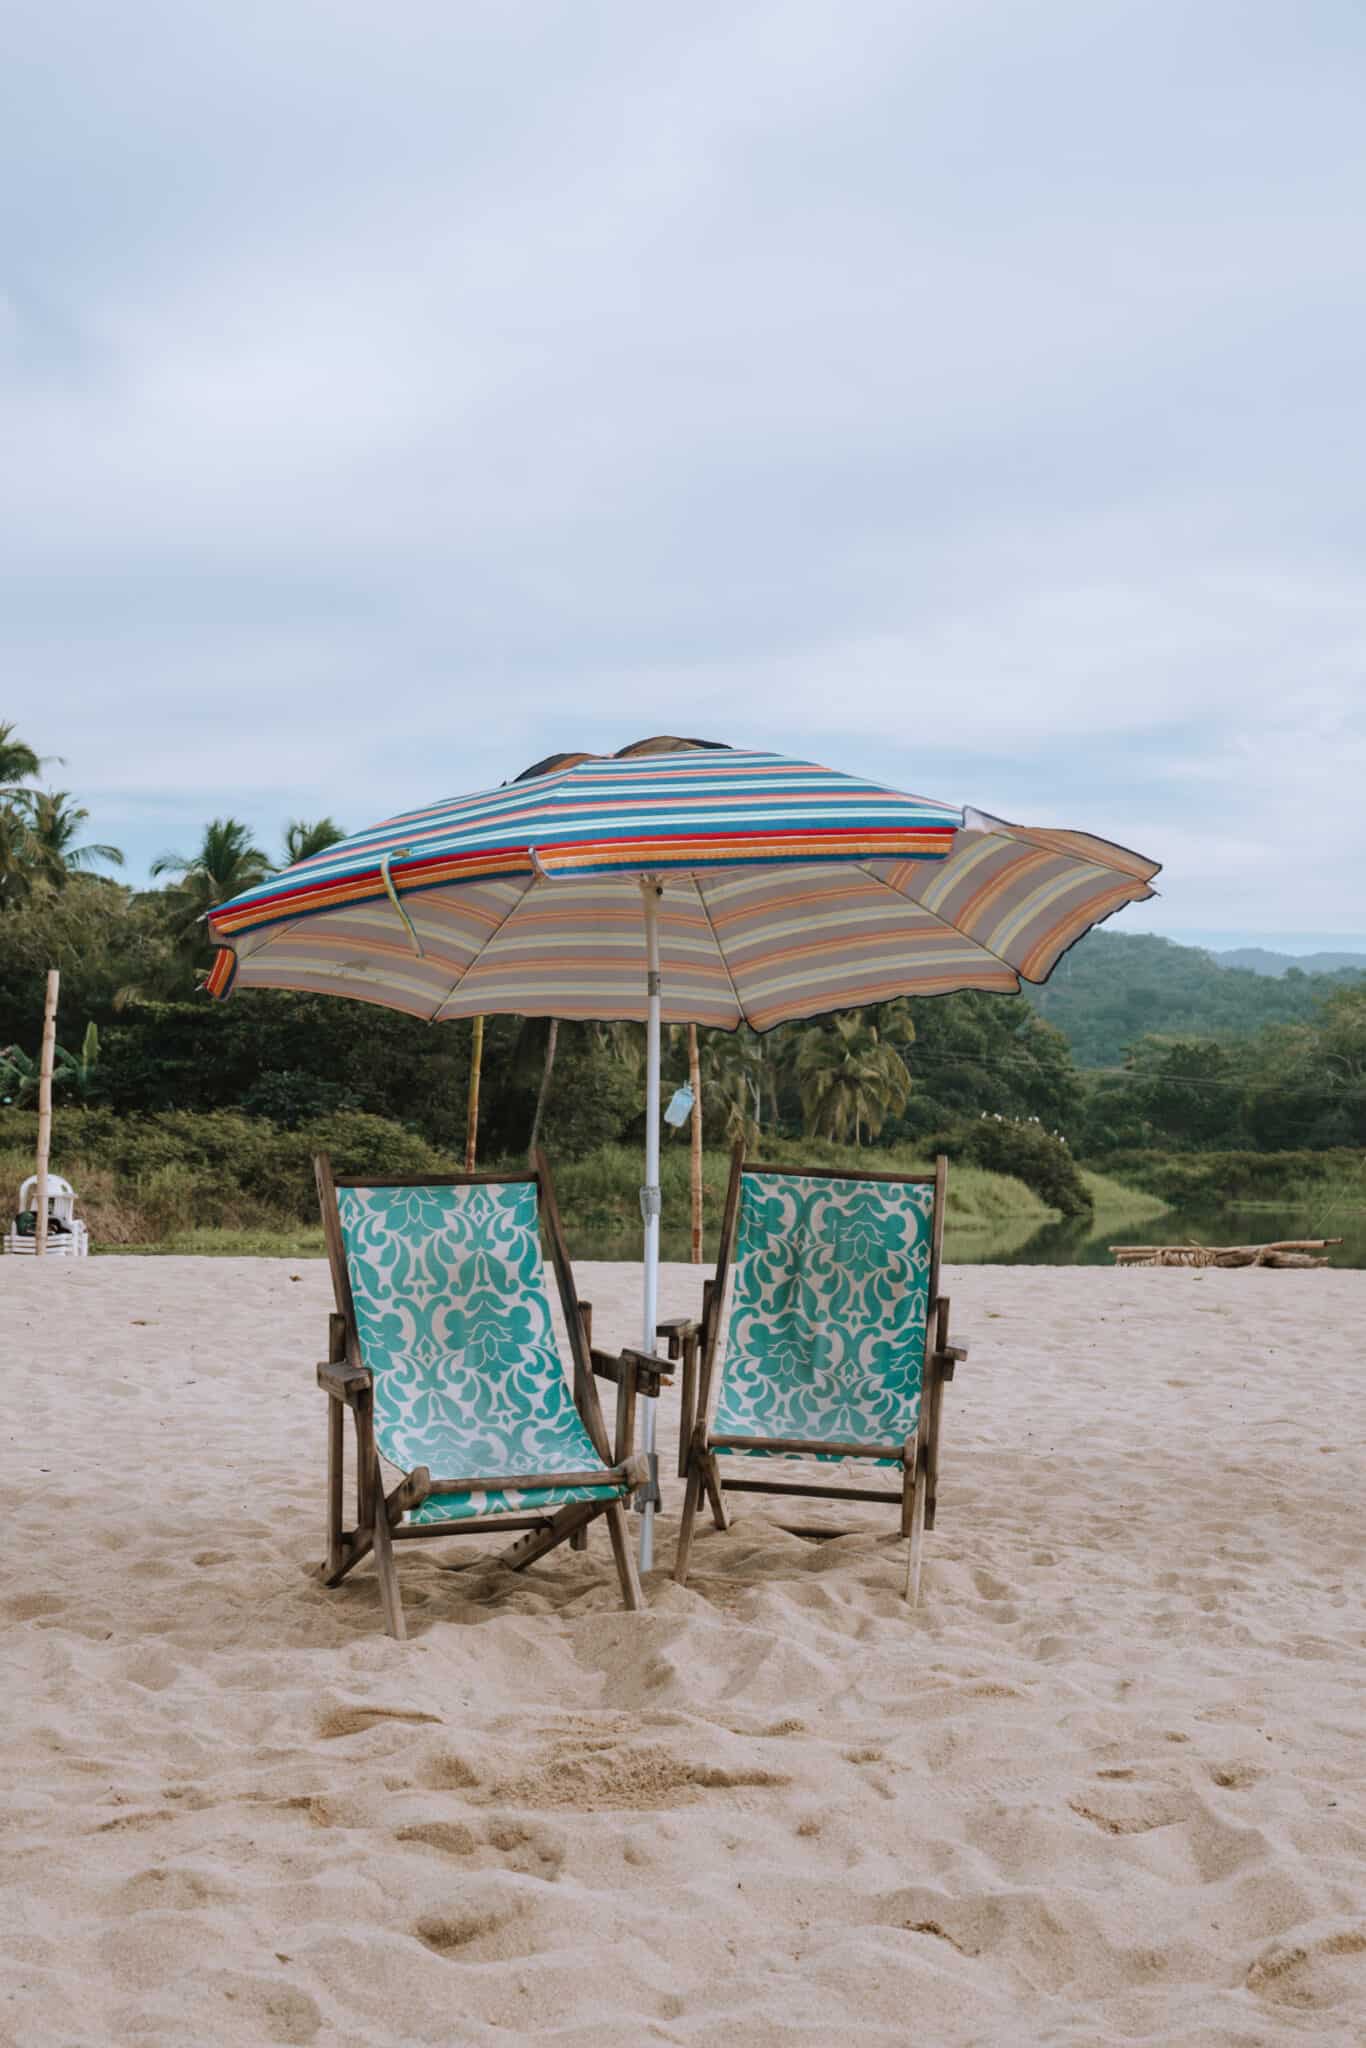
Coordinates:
(695,1164)
(45,1059)
(472,1100)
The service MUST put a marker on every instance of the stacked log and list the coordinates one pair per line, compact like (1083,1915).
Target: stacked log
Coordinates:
(1289,1252)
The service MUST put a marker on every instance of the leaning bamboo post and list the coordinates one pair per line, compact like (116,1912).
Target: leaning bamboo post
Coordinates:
(472,1100)
(45,1058)
(695,1083)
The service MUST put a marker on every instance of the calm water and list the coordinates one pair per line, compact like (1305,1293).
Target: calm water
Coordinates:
(1074,1244)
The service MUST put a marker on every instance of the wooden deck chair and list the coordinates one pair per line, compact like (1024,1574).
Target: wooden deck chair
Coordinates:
(830,1342)
(443,1350)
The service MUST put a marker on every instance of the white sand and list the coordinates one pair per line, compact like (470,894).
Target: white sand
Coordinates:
(1106,1786)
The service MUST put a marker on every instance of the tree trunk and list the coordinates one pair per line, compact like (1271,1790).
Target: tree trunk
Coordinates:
(543,1093)
(45,1057)
(472,1099)
(695,1164)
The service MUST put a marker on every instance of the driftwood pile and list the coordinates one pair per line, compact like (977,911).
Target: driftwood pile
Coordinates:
(1294,1251)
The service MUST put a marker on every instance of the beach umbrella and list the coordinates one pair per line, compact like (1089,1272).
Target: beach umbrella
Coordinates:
(678,881)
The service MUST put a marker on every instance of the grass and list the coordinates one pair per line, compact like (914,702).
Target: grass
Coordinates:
(162,1212)
(291,1241)
(1116,1202)
(600,1195)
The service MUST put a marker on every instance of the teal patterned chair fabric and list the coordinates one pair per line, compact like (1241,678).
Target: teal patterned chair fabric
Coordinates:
(828,1301)
(454,1323)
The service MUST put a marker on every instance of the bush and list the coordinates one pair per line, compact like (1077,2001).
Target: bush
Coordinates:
(592,1101)
(1217,1177)
(144,1178)
(1027,1151)
(295,1097)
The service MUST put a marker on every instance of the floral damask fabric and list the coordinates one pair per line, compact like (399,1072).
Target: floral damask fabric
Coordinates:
(828,1302)
(454,1323)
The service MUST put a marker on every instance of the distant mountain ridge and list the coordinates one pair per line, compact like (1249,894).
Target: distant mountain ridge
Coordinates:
(1261,961)
(1113,988)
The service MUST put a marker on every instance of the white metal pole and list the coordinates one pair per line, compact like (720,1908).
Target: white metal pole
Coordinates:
(650,1201)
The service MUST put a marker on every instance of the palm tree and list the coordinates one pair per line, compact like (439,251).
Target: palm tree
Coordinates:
(732,1066)
(16,854)
(226,862)
(303,840)
(543,1092)
(54,822)
(18,762)
(850,1078)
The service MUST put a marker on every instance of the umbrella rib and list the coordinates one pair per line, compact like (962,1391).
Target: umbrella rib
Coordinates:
(720,951)
(911,904)
(462,977)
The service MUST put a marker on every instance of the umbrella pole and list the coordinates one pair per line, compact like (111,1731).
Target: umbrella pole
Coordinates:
(650,1202)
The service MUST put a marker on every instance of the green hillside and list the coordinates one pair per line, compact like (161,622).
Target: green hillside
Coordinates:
(1112,989)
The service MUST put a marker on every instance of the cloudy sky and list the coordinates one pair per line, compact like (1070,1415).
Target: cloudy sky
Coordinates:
(962,393)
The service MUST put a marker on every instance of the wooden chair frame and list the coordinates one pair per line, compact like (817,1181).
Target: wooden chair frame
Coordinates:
(349,1384)
(918,1455)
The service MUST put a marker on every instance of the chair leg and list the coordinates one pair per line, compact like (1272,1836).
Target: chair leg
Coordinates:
(632,1597)
(579,1539)
(932,1473)
(920,1491)
(355,1548)
(711,1478)
(691,1493)
(390,1597)
(336,1417)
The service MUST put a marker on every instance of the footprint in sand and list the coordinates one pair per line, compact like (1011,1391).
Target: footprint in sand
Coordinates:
(524,1846)
(1322,1970)
(451,1837)
(274,2012)
(352,1720)
(33,1606)
(1138,1813)
(453,1933)
(1235,1777)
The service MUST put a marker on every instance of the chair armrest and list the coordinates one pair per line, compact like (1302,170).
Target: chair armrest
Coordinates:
(640,1366)
(678,1330)
(946,1356)
(344,1382)
(635,1470)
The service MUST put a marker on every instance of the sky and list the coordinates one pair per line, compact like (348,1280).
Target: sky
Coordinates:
(965,395)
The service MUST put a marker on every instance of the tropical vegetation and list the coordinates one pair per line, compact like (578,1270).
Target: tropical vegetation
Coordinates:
(1136,1054)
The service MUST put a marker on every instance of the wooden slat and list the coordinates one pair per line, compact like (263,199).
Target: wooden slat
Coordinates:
(799,1447)
(585,1391)
(471,1525)
(430,1180)
(810,1492)
(907,1180)
(336,1254)
(541,1540)
(526,1482)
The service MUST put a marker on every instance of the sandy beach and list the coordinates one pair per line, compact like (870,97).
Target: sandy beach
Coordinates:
(1107,1785)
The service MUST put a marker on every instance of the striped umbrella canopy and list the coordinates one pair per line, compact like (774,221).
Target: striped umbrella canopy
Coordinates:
(676,881)
(787,890)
